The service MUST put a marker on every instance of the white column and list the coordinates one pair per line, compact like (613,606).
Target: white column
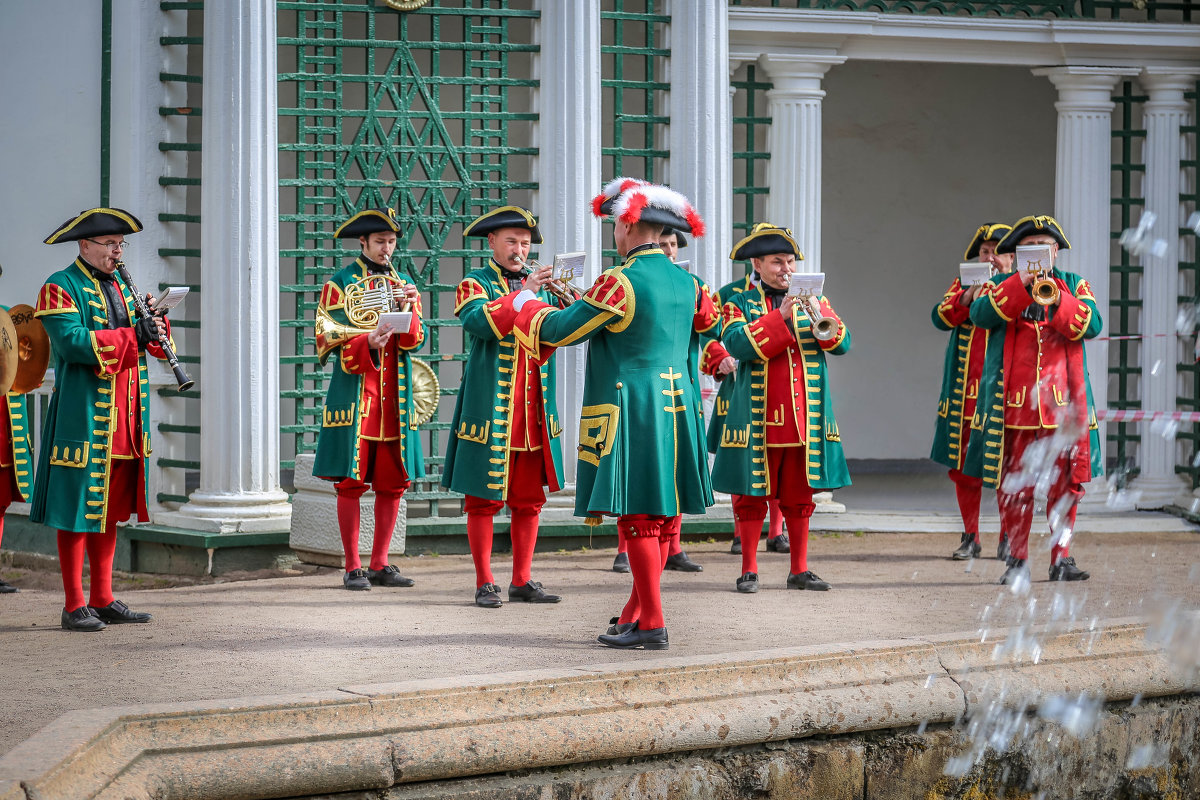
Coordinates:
(1082,192)
(239,241)
(1164,114)
(568,169)
(701,133)
(795,146)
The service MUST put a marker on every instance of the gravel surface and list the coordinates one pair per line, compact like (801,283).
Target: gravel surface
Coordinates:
(303,632)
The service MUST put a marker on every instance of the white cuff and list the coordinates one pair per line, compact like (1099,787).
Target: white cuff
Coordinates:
(524,297)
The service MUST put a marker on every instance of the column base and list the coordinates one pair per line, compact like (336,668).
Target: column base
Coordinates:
(228,512)
(1157,492)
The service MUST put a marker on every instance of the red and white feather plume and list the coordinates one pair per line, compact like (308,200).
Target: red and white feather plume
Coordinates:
(634,195)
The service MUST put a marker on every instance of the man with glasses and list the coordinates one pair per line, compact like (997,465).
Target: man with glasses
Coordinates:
(91,471)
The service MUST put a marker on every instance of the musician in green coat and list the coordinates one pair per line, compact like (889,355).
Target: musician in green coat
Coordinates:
(505,439)
(368,425)
(641,435)
(95,443)
(780,438)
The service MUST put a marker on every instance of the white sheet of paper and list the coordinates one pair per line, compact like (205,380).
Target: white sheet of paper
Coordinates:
(684,265)
(399,320)
(1034,258)
(806,283)
(170,298)
(971,273)
(569,265)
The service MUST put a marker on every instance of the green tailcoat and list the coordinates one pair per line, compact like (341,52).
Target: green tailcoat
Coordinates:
(341,418)
(951,431)
(478,453)
(742,452)
(22,465)
(725,390)
(641,433)
(985,452)
(70,490)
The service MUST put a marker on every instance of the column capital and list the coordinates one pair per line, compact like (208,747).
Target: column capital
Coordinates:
(739,57)
(1167,85)
(798,74)
(1085,89)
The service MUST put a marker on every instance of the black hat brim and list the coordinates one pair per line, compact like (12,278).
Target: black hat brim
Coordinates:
(988,232)
(506,217)
(765,243)
(364,223)
(1032,226)
(95,222)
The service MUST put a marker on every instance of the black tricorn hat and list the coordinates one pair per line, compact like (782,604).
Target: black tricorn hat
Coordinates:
(680,241)
(364,223)
(95,222)
(766,239)
(988,232)
(505,217)
(1031,226)
(633,200)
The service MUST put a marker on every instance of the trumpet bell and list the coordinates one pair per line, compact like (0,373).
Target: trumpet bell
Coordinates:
(824,329)
(1045,292)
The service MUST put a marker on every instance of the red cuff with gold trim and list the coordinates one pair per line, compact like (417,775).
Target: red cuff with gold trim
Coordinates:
(357,358)
(116,350)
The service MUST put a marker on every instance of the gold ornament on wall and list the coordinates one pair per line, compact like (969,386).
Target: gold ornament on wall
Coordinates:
(405,5)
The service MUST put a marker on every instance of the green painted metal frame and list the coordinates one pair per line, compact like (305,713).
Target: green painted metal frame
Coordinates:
(751,122)
(1189,268)
(1125,303)
(633,96)
(1125,10)
(397,149)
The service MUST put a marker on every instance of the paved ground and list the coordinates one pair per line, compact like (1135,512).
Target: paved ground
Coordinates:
(291,634)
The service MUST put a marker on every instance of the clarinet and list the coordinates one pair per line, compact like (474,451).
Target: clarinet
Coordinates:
(143,311)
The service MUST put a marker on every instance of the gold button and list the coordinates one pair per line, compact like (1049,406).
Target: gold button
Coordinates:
(620,385)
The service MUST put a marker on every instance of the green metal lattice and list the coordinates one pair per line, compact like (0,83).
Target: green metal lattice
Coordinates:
(1125,10)
(413,110)
(751,122)
(1189,269)
(634,94)
(1125,304)
(183,22)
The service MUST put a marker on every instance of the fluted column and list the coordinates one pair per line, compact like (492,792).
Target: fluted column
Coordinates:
(795,147)
(1082,190)
(239,302)
(1164,114)
(569,169)
(701,132)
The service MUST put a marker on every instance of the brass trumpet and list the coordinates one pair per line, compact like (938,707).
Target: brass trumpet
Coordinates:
(560,287)
(1044,290)
(823,328)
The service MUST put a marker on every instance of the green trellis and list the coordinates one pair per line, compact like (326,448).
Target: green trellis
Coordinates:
(1126,10)
(1125,303)
(422,111)
(634,93)
(751,123)
(1189,269)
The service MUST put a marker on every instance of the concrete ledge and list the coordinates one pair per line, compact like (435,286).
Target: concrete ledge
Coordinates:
(373,737)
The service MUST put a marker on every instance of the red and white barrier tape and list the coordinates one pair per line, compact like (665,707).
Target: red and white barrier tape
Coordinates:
(1126,415)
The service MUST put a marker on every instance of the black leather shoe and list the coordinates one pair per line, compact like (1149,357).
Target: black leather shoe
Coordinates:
(807,580)
(117,612)
(388,576)
(634,639)
(488,596)
(81,619)
(1065,570)
(748,583)
(681,563)
(780,544)
(616,627)
(1017,571)
(967,548)
(356,580)
(7,588)
(735,547)
(1002,551)
(621,562)
(530,593)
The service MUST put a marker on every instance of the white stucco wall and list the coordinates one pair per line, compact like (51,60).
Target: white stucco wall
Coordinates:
(916,157)
(50,129)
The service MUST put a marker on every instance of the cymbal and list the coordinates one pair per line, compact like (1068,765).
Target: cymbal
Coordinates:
(8,351)
(33,349)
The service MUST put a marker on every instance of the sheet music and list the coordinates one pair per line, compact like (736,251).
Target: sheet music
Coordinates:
(806,283)
(170,298)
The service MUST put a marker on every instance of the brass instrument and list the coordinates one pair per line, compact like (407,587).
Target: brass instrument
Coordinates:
(1044,289)
(559,286)
(143,310)
(823,327)
(33,349)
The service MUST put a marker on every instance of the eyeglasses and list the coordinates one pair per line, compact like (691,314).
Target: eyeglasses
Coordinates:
(114,246)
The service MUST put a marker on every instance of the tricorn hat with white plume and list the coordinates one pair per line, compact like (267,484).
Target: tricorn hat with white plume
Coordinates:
(633,200)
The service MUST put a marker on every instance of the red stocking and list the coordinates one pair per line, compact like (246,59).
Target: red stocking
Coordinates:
(101,547)
(387,508)
(524,530)
(479,537)
(70,560)
(348,513)
(645,561)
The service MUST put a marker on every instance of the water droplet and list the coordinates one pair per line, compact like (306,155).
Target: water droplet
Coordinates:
(1157,366)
